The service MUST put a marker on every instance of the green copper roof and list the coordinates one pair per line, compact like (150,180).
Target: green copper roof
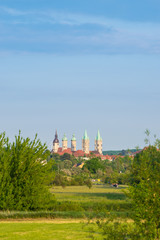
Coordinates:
(98,138)
(85,137)
(73,138)
(64,138)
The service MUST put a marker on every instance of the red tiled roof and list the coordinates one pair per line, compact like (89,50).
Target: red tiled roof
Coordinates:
(96,154)
(79,153)
(59,150)
(68,150)
(108,157)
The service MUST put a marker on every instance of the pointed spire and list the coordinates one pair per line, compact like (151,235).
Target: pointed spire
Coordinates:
(85,137)
(98,136)
(56,138)
(56,135)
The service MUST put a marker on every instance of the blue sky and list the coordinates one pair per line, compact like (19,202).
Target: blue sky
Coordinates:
(76,65)
(80,27)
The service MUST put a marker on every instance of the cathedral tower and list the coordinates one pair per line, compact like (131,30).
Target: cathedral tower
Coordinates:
(73,143)
(64,142)
(55,143)
(98,143)
(85,143)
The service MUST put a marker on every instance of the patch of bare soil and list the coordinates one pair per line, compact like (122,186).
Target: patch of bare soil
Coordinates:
(43,220)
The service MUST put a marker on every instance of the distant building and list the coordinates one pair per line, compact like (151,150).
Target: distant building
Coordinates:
(85,143)
(98,143)
(64,143)
(55,143)
(73,143)
(85,152)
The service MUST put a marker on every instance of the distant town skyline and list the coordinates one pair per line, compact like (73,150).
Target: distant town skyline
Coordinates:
(75,65)
(64,146)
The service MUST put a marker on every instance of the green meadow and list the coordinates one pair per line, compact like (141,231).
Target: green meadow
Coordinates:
(45,231)
(74,206)
(81,202)
(97,201)
(83,193)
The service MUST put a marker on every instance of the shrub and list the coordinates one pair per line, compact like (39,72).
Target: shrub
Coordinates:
(24,174)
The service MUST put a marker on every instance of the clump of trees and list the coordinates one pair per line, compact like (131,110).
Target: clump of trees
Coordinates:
(93,165)
(144,191)
(24,174)
(63,181)
(69,170)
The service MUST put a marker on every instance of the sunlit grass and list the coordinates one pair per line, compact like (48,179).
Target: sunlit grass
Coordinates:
(45,231)
(85,189)
(80,202)
(84,194)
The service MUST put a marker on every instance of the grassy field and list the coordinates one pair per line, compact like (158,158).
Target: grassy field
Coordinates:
(81,202)
(42,230)
(95,201)
(74,205)
(97,193)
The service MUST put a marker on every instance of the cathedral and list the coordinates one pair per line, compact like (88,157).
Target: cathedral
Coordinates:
(73,150)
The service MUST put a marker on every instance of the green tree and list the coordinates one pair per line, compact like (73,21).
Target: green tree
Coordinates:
(93,165)
(67,164)
(66,156)
(24,174)
(145,192)
(88,182)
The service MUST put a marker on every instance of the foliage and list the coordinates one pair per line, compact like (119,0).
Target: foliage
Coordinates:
(145,192)
(66,156)
(117,230)
(62,180)
(116,171)
(93,165)
(24,174)
(88,183)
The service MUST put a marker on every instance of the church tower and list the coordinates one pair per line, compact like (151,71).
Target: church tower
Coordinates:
(98,143)
(73,143)
(85,143)
(64,142)
(55,143)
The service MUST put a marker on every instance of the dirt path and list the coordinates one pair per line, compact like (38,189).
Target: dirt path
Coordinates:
(43,220)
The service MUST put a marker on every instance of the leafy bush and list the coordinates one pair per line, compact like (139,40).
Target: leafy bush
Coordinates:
(24,174)
(116,230)
(93,165)
(145,192)
(145,195)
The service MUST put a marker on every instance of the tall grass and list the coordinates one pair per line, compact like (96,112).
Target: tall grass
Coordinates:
(61,214)
(80,202)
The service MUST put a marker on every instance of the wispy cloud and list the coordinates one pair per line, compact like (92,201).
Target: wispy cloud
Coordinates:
(13,12)
(63,17)
(90,33)
(54,17)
